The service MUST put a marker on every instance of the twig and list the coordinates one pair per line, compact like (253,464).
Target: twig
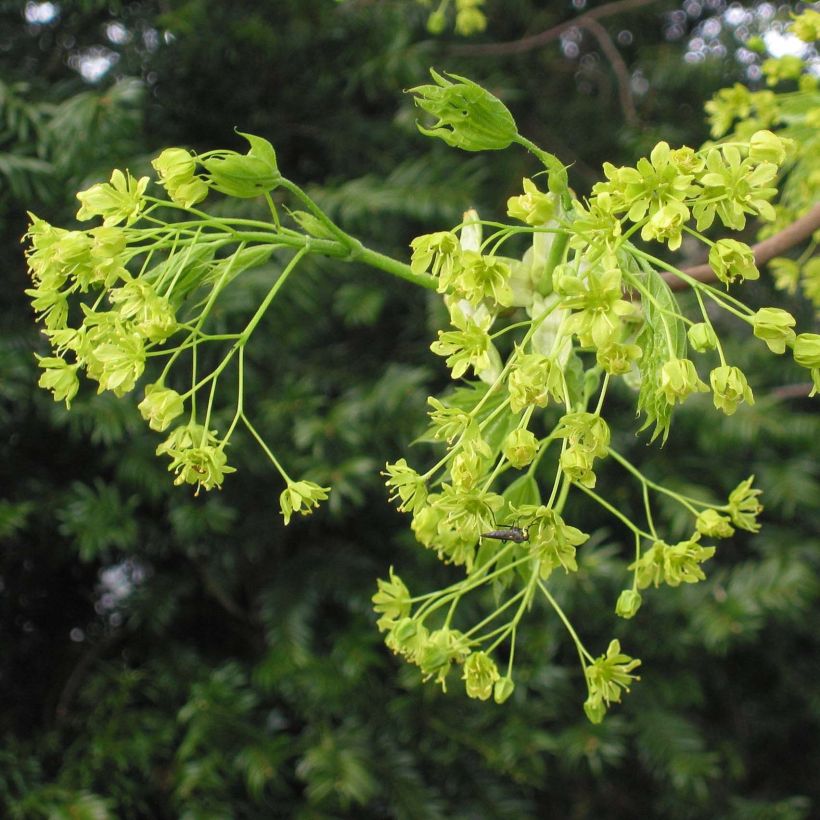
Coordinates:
(800,230)
(618,66)
(792,391)
(550,34)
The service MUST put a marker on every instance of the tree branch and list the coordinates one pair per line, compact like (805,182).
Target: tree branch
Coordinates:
(550,34)
(800,230)
(618,67)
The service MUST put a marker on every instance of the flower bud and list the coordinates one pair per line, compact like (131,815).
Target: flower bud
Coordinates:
(520,447)
(714,525)
(774,326)
(807,350)
(533,206)
(729,388)
(160,406)
(679,379)
(702,337)
(617,358)
(174,164)
(764,146)
(594,709)
(502,690)
(480,675)
(629,602)
(436,21)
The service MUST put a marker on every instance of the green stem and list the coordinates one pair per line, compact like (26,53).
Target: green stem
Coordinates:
(582,652)
(617,513)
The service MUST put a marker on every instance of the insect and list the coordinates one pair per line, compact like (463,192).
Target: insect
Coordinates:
(503,534)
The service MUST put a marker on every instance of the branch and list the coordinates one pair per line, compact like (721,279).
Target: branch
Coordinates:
(792,235)
(550,34)
(618,66)
(792,391)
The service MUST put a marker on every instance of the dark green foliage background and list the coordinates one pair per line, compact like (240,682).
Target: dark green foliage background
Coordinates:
(242,676)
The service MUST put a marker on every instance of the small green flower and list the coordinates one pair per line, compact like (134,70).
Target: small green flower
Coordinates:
(702,337)
(607,677)
(744,506)
(406,485)
(576,464)
(440,254)
(60,377)
(484,277)
(727,105)
(729,388)
(467,469)
(786,273)
(196,456)
(774,326)
(764,146)
(714,525)
(734,187)
(732,260)
(553,542)
(448,422)
(628,604)
(469,346)
(150,314)
(779,69)
(443,648)
(806,25)
(533,380)
(480,675)
(618,358)
(679,379)
(301,497)
(176,169)
(520,447)
(160,406)
(468,117)
(119,362)
(597,298)
(666,225)
(533,207)
(672,564)
(407,637)
(392,600)
(120,200)
(469,18)
(807,350)
(174,164)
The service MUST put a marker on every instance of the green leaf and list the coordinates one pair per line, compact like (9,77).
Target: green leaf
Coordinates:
(663,337)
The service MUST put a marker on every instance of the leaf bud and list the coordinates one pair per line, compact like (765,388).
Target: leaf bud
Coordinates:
(469,117)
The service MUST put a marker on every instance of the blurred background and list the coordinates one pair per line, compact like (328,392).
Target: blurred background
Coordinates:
(171,656)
